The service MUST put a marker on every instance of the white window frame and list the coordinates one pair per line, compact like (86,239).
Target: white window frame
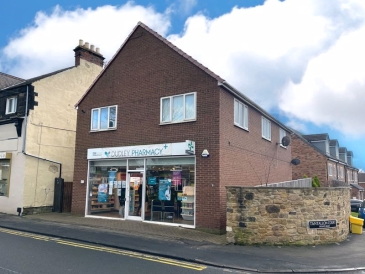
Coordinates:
(240,114)
(11,101)
(99,120)
(282,134)
(266,128)
(170,121)
(329,169)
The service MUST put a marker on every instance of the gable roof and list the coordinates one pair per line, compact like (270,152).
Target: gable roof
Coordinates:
(342,150)
(162,39)
(34,79)
(221,81)
(7,80)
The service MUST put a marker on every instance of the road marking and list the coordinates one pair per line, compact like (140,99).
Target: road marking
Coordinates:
(107,249)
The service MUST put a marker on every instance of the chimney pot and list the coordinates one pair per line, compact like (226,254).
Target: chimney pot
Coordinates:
(98,50)
(92,47)
(86,45)
(81,42)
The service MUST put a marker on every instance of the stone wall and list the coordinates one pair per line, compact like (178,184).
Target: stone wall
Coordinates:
(280,216)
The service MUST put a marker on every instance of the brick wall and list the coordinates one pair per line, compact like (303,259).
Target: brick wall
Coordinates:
(312,162)
(146,70)
(143,72)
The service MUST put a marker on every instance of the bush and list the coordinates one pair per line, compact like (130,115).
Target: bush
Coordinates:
(316,182)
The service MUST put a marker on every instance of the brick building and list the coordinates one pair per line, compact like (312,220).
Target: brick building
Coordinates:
(159,130)
(322,157)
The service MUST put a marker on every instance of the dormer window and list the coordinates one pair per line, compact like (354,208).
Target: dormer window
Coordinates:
(11,104)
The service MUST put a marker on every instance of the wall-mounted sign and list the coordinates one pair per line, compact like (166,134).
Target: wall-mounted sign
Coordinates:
(322,224)
(166,149)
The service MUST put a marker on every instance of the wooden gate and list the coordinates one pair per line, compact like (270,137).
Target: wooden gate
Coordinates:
(67,197)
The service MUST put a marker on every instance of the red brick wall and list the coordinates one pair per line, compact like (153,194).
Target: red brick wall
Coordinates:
(139,76)
(312,162)
(143,72)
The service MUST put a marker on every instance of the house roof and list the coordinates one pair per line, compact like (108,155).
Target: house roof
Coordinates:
(7,80)
(361,177)
(333,143)
(316,137)
(349,153)
(34,79)
(342,150)
(220,80)
(358,187)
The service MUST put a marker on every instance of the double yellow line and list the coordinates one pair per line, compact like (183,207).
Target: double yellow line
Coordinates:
(107,249)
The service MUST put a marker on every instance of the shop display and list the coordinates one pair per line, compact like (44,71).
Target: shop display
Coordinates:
(187,203)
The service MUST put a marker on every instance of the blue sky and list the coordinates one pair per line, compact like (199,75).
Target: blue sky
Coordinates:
(302,61)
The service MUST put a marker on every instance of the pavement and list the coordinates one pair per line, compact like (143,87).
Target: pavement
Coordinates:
(195,246)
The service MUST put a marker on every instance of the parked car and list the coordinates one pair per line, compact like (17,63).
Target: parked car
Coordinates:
(362,212)
(355,205)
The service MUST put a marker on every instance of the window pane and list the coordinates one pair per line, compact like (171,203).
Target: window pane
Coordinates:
(112,117)
(245,117)
(236,120)
(103,118)
(95,119)
(240,114)
(166,110)
(178,108)
(190,106)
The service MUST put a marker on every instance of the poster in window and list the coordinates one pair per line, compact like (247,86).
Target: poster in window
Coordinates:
(152,181)
(103,193)
(164,190)
(176,178)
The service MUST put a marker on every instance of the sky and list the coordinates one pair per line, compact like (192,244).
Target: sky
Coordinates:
(300,60)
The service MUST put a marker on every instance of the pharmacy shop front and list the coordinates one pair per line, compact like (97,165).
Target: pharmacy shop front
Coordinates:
(154,183)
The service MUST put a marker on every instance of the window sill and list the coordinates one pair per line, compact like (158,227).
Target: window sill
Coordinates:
(269,140)
(283,147)
(103,130)
(180,122)
(245,129)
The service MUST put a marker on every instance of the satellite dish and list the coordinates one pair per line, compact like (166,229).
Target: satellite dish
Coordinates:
(285,141)
(295,161)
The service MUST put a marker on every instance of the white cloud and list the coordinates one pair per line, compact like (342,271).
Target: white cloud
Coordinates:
(47,44)
(305,57)
(186,6)
(276,55)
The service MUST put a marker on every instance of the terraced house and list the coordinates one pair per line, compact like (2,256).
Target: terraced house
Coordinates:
(37,131)
(323,157)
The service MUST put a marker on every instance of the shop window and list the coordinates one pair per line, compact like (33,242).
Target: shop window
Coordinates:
(179,108)
(4,177)
(171,190)
(266,128)
(104,118)
(240,114)
(107,185)
(11,104)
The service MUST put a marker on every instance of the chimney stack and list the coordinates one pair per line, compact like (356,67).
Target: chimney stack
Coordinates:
(83,51)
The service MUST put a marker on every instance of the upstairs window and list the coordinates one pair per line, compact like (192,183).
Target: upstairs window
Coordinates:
(266,128)
(104,118)
(240,114)
(178,108)
(11,104)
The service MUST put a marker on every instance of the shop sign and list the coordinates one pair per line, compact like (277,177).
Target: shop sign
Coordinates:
(167,149)
(323,224)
